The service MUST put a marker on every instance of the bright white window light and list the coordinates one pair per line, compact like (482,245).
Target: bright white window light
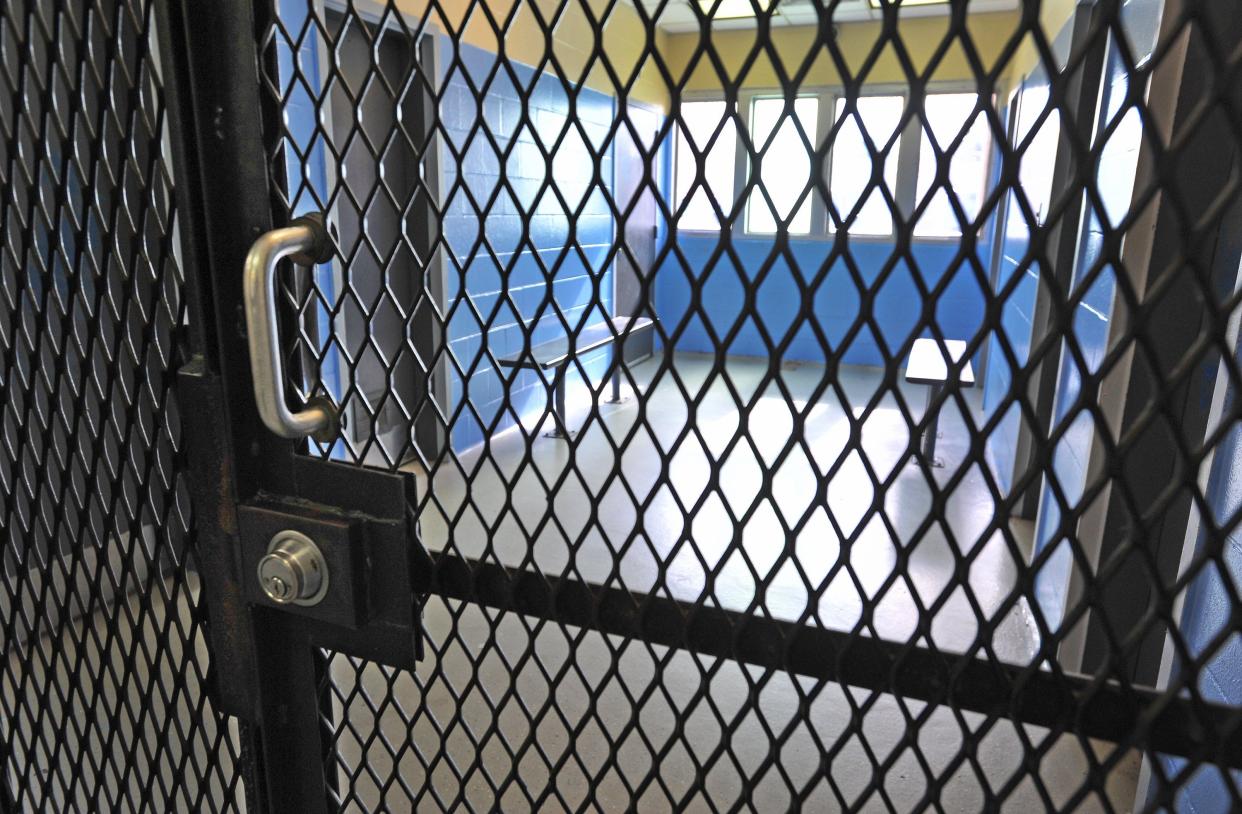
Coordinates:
(1035,169)
(852,162)
(732,9)
(786,164)
(947,116)
(698,122)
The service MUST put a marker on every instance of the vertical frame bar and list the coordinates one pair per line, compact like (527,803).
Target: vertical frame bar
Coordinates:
(1211,161)
(270,674)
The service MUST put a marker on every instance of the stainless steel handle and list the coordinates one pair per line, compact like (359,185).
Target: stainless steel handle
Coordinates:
(307,241)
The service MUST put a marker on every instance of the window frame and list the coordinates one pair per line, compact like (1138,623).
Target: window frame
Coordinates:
(909,147)
(907,161)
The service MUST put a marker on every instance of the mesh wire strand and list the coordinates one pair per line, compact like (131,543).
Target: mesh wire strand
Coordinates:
(412,127)
(103,701)
(468,160)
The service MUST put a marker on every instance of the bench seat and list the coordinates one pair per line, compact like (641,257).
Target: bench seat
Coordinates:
(927,364)
(556,354)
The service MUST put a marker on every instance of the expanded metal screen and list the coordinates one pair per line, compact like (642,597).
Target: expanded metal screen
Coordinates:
(817,405)
(806,559)
(103,685)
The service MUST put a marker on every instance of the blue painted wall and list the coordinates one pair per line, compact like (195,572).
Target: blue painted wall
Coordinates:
(1071,456)
(702,323)
(1206,614)
(501,275)
(306,169)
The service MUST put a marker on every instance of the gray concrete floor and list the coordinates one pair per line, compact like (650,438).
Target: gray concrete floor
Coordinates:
(510,716)
(503,698)
(106,700)
(673,531)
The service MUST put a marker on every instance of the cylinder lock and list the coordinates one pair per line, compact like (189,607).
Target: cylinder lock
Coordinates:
(293,572)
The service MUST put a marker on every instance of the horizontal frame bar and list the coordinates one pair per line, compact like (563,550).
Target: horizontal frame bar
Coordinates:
(1178,725)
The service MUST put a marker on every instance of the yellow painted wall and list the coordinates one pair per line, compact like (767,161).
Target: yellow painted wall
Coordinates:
(797,50)
(1053,16)
(865,52)
(523,26)
(627,45)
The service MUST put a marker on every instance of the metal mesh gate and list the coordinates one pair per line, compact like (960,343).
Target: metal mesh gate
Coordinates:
(757,583)
(103,687)
(800,405)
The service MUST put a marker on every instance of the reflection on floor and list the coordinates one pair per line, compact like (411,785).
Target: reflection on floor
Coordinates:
(706,501)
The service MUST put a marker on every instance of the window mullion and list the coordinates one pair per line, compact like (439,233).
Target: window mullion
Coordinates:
(741,162)
(908,150)
(820,224)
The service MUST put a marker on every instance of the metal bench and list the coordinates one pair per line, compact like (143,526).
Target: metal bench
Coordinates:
(556,354)
(928,365)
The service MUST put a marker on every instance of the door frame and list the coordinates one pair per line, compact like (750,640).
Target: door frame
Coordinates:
(431,440)
(267,663)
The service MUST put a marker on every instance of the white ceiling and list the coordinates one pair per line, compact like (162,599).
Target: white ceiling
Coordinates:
(678,15)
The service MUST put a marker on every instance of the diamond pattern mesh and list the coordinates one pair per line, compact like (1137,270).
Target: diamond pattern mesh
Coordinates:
(747,228)
(888,361)
(103,703)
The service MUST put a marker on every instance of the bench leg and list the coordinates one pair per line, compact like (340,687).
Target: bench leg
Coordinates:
(618,360)
(559,429)
(928,452)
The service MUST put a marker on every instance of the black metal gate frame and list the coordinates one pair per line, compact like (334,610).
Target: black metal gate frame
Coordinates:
(265,660)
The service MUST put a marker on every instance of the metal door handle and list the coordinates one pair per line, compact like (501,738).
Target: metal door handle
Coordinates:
(305,241)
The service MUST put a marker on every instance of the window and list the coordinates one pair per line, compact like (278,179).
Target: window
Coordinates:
(788,136)
(699,121)
(786,165)
(1117,164)
(852,162)
(947,114)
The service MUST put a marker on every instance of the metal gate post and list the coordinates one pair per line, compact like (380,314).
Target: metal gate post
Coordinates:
(267,672)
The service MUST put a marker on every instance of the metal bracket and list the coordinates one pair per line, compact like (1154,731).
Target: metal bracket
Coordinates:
(371,607)
(234,678)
